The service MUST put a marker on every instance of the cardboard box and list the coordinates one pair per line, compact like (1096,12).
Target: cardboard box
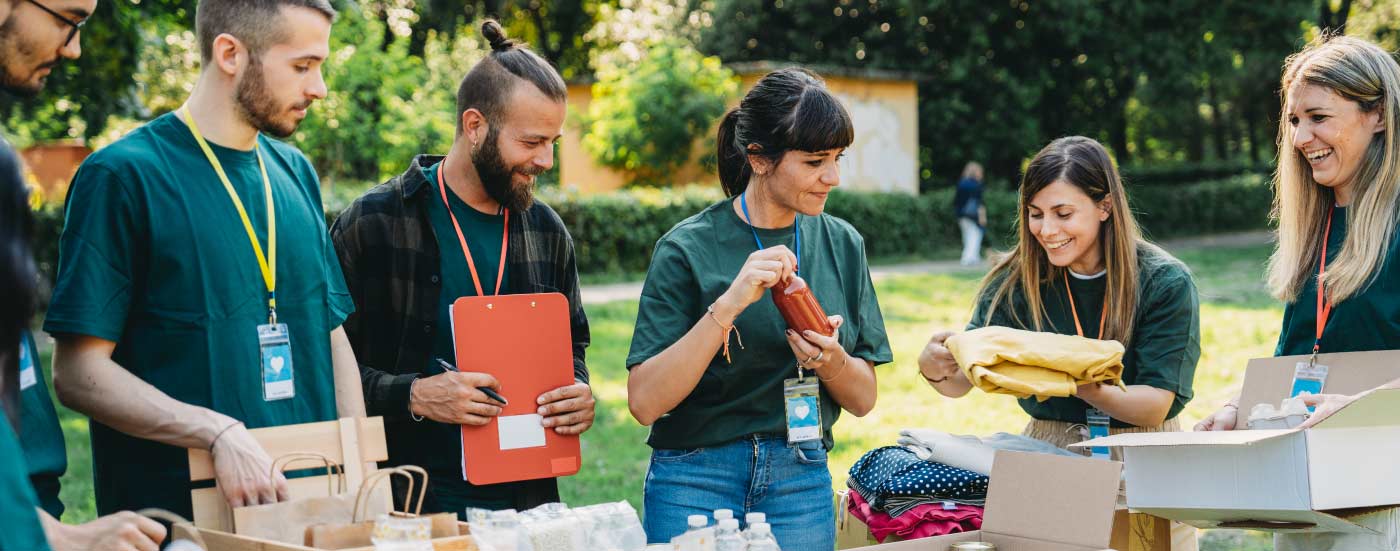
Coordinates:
(1038,502)
(1310,480)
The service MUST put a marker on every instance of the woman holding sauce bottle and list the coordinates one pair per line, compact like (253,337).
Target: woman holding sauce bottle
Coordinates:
(740,405)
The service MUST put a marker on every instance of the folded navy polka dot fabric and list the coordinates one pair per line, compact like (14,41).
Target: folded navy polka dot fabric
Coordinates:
(894,480)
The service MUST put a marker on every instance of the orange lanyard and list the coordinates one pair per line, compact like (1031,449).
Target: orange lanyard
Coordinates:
(1324,305)
(1073,310)
(505,239)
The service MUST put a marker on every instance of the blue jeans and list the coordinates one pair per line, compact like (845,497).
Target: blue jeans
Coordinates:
(757,473)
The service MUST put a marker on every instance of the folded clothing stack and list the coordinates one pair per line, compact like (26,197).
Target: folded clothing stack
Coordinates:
(923,521)
(1001,360)
(894,480)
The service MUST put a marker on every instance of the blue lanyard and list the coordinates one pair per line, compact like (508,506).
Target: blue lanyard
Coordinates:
(796,230)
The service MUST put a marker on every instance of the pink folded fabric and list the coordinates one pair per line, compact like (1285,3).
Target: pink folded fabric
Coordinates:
(920,522)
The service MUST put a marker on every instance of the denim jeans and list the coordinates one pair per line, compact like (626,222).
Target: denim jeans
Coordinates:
(790,484)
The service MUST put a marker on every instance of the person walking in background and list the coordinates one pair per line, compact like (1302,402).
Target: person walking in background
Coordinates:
(971,213)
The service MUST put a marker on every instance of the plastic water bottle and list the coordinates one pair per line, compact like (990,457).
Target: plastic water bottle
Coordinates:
(696,522)
(727,537)
(750,520)
(762,538)
(721,514)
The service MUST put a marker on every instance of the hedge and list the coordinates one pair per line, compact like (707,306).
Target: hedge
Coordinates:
(614,233)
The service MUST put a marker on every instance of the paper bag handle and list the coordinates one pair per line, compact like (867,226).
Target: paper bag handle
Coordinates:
(332,468)
(407,471)
(175,520)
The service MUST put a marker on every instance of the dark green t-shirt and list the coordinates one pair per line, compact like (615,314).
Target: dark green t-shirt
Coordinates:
(1166,341)
(438,445)
(1369,320)
(155,258)
(40,435)
(19,527)
(695,263)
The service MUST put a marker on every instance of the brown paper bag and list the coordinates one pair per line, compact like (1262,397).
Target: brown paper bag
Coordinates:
(286,521)
(357,533)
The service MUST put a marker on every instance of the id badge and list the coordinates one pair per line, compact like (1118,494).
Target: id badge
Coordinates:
(275,346)
(1098,428)
(28,376)
(802,400)
(1308,377)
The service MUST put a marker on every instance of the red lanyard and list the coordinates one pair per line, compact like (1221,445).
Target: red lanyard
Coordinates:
(1324,305)
(505,239)
(1078,328)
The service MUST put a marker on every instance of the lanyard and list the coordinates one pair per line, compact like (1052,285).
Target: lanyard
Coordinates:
(1073,310)
(796,231)
(505,238)
(266,263)
(1324,305)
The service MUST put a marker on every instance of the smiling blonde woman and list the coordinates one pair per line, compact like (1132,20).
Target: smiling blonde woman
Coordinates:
(1338,191)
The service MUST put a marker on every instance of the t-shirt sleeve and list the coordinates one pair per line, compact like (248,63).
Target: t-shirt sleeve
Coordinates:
(1167,339)
(669,305)
(99,256)
(872,343)
(340,303)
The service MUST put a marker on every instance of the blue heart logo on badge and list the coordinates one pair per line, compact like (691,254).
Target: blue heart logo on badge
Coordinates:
(802,411)
(277,364)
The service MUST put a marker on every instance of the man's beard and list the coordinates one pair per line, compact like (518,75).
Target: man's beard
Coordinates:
(497,178)
(12,48)
(257,105)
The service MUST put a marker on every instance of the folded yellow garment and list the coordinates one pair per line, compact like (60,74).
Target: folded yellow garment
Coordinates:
(1001,360)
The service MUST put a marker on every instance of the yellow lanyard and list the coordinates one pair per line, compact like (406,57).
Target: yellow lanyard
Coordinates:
(267,263)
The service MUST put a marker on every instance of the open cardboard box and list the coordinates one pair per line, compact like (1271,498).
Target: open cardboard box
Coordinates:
(1038,502)
(1293,480)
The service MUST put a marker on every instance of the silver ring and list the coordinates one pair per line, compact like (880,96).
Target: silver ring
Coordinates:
(818,357)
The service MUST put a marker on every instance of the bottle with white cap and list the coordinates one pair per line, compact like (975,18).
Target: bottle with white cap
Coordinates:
(697,537)
(721,514)
(727,536)
(762,538)
(751,519)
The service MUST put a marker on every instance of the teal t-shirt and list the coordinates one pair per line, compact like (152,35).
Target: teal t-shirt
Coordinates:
(155,258)
(1166,341)
(1369,320)
(438,446)
(40,434)
(695,263)
(19,518)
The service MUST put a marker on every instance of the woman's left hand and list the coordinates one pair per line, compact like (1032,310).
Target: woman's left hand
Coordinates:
(817,351)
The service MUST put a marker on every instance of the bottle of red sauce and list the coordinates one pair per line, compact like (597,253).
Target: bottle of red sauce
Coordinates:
(799,307)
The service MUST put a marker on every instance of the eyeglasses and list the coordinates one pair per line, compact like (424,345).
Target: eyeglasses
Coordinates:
(75,26)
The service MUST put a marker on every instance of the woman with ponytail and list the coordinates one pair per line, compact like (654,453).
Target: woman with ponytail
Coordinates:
(713,368)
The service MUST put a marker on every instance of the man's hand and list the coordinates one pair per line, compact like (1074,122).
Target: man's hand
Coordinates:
(568,410)
(243,470)
(124,531)
(453,398)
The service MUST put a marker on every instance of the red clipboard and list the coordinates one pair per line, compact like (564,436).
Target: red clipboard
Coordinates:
(525,342)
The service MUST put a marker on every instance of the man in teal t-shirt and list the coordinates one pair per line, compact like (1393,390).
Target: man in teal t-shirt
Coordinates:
(181,321)
(406,263)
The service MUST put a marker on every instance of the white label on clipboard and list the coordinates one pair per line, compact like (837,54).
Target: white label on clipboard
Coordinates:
(520,431)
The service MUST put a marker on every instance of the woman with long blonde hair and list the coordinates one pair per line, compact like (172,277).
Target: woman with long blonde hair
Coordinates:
(1081,266)
(1337,205)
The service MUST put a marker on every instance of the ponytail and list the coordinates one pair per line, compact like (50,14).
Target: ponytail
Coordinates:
(734,167)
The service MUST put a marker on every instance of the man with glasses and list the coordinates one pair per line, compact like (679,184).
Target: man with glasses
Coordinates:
(34,37)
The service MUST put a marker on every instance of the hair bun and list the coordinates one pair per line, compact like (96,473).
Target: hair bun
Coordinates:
(492,31)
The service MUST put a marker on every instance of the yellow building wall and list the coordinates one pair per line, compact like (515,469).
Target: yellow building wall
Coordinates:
(883,157)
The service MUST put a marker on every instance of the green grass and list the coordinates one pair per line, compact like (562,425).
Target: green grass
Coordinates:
(1238,320)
